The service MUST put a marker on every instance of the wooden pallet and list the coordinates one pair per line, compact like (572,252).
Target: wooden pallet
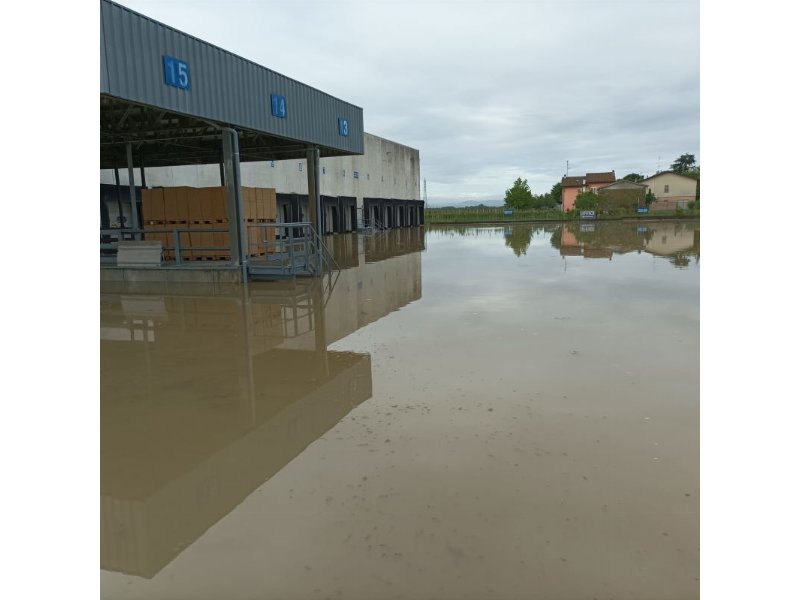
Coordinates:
(204,257)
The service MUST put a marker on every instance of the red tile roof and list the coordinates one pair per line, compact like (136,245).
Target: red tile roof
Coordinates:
(572,181)
(601,177)
(582,180)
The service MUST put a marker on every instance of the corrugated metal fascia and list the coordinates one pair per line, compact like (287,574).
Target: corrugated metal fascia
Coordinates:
(224,87)
(223,50)
(103,64)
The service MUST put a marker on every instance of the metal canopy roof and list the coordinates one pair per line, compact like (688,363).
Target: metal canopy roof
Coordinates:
(161,138)
(174,121)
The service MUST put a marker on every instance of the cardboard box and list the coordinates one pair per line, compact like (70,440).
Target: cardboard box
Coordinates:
(192,203)
(222,239)
(182,203)
(270,204)
(261,208)
(153,205)
(170,205)
(217,204)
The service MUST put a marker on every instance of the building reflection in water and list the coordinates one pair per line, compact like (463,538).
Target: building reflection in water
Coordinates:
(676,241)
(207,393)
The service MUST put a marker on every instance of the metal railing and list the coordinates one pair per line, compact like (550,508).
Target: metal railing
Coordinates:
(177,248)
(288,249)
(371,225)
(283,249)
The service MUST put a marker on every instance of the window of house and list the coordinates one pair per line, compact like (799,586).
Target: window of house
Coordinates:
(355,174)
(323,170)
(666,189)
(272,164)
(299,166)
(343,172)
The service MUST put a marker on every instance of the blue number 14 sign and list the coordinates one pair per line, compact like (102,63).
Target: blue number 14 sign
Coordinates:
(176,73)
(278,106)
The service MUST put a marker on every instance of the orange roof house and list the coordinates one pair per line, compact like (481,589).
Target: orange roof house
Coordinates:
(572,186)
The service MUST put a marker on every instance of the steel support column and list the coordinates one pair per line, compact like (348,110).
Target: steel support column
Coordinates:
(314,207)
(119,200)
(233,192)
(132,189)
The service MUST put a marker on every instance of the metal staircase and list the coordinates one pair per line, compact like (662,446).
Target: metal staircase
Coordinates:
(288,250)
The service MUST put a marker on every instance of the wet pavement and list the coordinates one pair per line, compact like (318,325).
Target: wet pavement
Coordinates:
(467,412)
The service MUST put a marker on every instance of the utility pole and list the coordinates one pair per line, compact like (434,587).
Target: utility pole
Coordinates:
(425,191)
(567,168)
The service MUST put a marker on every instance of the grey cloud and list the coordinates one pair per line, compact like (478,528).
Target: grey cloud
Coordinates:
(486,91)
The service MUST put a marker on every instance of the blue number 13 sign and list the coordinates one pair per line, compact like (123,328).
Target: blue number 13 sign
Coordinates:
(176,73)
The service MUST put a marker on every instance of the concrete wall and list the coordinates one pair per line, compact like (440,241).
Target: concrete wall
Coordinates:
(680,187)
(669,238)
(386,169)
(568,196)
(621,194)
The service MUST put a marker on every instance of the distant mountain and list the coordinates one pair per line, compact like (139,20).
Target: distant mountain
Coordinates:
(466,204)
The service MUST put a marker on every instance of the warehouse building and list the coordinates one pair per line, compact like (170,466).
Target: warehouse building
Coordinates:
(387,176)
(176,111)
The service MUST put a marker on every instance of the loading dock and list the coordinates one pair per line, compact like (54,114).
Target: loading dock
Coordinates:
(169,99)
(391,213)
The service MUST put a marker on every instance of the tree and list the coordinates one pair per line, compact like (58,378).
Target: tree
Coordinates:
(519,195)
(555,193)
(695,174)
(634,177)
(685,162)
(649,198)
(519,239)
(586,201)
(542,201)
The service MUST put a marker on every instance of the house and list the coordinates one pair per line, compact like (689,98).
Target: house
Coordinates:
(621,194)
(671,189)
(572,186)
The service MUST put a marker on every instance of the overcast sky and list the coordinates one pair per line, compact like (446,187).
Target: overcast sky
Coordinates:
(487,91)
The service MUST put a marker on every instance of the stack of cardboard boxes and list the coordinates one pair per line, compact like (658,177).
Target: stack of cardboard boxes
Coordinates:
(205,210)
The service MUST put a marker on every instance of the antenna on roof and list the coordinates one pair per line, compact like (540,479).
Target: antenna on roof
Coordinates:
(567,175)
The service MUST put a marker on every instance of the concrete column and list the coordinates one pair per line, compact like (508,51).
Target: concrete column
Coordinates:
(132,188)
(314,208)
(233,192)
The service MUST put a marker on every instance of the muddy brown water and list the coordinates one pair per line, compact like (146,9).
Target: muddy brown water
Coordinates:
(469,412)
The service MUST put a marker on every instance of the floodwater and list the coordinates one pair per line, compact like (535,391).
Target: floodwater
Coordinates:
(469,412)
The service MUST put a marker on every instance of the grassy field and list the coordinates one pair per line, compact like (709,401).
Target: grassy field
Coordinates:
(495,215)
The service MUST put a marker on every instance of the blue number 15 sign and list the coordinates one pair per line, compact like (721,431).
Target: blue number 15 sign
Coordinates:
(176,73)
